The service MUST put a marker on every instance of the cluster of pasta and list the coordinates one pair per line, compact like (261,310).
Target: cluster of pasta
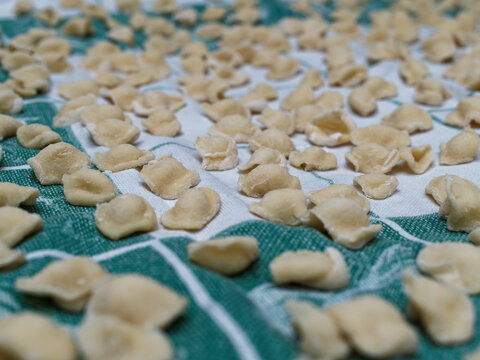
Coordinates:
(128,310)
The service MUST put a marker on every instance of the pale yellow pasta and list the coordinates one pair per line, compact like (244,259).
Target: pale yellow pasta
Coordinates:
(254,102)
(214,13)
(56,160)
(440,47)
(123,34)
(125,62)
(245,14)
(71,111)
(111,132)
(466,112)
(474,236)
(194,65)
(121,157)
(23,7)
(15,195)
(347,28)
(209,31)
(271,39)
(235,127)
(33,77)
(447,315)
(348,75)
(277,119)
(10,102)
(413,70)
(313,158)
(263,156)
(376,185)
(305,114)
(79,27)
(314,269)
(319,335)
(229,255)
(37,136)
(16,59)
(338,57)
(125,215)
(372,158)
(53,44)
(162,123)
(69,282)
(142,77)
(123,96)
(49,16)
(265,178)
(362,101)
(28,336)
(299,97)
(313,79)
(393,335)
(282,206)
(233,78)
(380,88)
(78,88)
(8,126)
(410,118)
(10,259)
(266,91)
(218,152)
(137,300)
(345,221)
(168,178)
(17,224)
(87,187)
(452,263)
(266,58)
(437,187)
(339,191)
(387,50)
(283,68)
(108,79)
(431,92)
(417,158)
(55,62)
(273,139)
(98,113)
(193,210)
(224,108)
(154,100)
(124,342)
(331,128)
(386,136)
(460,149)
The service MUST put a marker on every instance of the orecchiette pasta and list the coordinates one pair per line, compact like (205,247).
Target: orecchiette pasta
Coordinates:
(313,79)
(8,126)
(413,70)
(314,269)
(16,224)
(71,111)
(410,118)
(263,156)
(299,97)
(78,88)
(380,88)
(10,259)
(440,47)
(227,255)
(313,158)
(121,157)
(123,34)
(330,129)
(339,191)
(235,127)
(87,187)
(68,282)
(466,112)
(273,139)
(33,77)
(277,119)
(388,137)
(431,92)
(123,96)
(283,68)
(193,210)
(218,152)
(372,158)
(460,149)
(168,178)
(97,113)
(10,102)
(437,187)
(345,221)
(154,100)
(376,185)
(37,136)
(79,27)
(125,215)
(362,101)
(305,114)
(16,195)
(348,75)
(224,108)
(162,123)
(417,158)
(111,132)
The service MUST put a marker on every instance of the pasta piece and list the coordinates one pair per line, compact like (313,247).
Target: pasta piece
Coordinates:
(228,256)
(412,71)
(78,88)
(68,282)
(193,211)
(106,337)
(122,157)
(16,224)
(235,127)
(154,100)
(466,112)
(345,221)
(392,337)
(348,76)
(388,137)
(162,123)
(168,178)
(98,113)
(209,31)
(299,97)
(8,126)
(380,88)
(431,92)
(372,158)
(263,156)
(224,58)
(387,50)
(125,62)
(37,136)
(10,259)
(362,101)
(282,206)
(376,186)
(460,149)
(313,158)
(440,47)
(305,114)
(319,335)
(123,34)
(332,128)
(80,27)
(55,62)
(70,112)
(111,132)
(233,78)
(313,79)
(10,102)
(214,13)
(277,119)
(273,139)
(283,68)
(27,335)
(313,269)
(108,79)
(123,96)
(437,187)
(339,191)
(266,91)
(33,77)
(330,100)
(23,7)
(218,152)
(15,60)
(265,178)
(56,160)
(88,187)
(195,65)
(266,58)
(224,108)
(410,118)
(417,158)
(452,263)
(136,300)
(447,315)
(49,16)
(16,195)
(254,102)
(125,215)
